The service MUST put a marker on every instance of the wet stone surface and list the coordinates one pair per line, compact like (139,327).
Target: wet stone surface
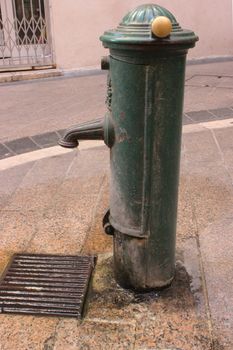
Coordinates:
(163,319)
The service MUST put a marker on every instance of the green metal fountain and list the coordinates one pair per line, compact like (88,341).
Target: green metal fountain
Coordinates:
(142,128)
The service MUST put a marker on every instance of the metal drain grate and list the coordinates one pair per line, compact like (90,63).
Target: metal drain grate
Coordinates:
(46,284)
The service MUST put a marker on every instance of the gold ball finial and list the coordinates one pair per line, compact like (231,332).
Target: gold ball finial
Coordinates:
(161,26)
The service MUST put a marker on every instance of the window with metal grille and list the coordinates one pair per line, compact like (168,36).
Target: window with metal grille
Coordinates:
(30,21)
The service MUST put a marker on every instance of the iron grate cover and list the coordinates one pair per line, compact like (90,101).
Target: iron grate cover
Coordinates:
(52,285)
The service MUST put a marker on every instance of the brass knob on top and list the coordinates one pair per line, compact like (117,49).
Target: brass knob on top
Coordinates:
(161,27)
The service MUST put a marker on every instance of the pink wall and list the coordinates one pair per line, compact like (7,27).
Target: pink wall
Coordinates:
(77,25)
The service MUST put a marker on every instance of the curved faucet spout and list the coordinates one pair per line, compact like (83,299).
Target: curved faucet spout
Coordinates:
(92,130)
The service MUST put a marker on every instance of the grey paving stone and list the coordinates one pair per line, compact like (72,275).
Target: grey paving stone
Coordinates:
(22,145)
(200,116)
(46,139)
(186,120)
(222,113)
(4,152)
(61,132)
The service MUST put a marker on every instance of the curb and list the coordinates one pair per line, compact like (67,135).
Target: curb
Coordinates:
(85,145)
(30,75)
(50,139)
(87,71)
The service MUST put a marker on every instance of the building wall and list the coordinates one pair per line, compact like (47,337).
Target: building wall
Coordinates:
(77,25)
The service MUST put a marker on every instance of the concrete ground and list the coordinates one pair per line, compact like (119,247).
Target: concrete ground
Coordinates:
(52,201)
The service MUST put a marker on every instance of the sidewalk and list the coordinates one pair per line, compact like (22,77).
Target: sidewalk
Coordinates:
(55,204)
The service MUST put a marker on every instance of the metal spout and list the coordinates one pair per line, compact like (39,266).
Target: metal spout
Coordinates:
(92,130)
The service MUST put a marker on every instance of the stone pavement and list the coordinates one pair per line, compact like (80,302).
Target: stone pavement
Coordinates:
(54,204)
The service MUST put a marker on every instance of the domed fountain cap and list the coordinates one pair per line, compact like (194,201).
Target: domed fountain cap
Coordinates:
(143,25)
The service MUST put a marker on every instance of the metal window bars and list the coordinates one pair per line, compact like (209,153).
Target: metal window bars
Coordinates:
(25,38)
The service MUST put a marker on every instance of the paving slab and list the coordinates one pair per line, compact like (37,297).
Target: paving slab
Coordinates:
(224,140)
(40,184)
(165,319)
(22,145)
(206,98)
(186,225)
(215,68)
(5,152)
(210,185)
(217,245)
(200,116)
(20,332)
(200,148)
(94,334)
(96,240)
(10,181)
(47,139)
(222,112)
(61,205)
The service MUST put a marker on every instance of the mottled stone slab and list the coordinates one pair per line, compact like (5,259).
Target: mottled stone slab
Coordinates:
(17,228)
(10,180)
(97,241)
(98,334)
(201,149)
(186,226)
(38,187)
(58,232)
(20,332)
(210,186)
(172,318)
(224,138)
